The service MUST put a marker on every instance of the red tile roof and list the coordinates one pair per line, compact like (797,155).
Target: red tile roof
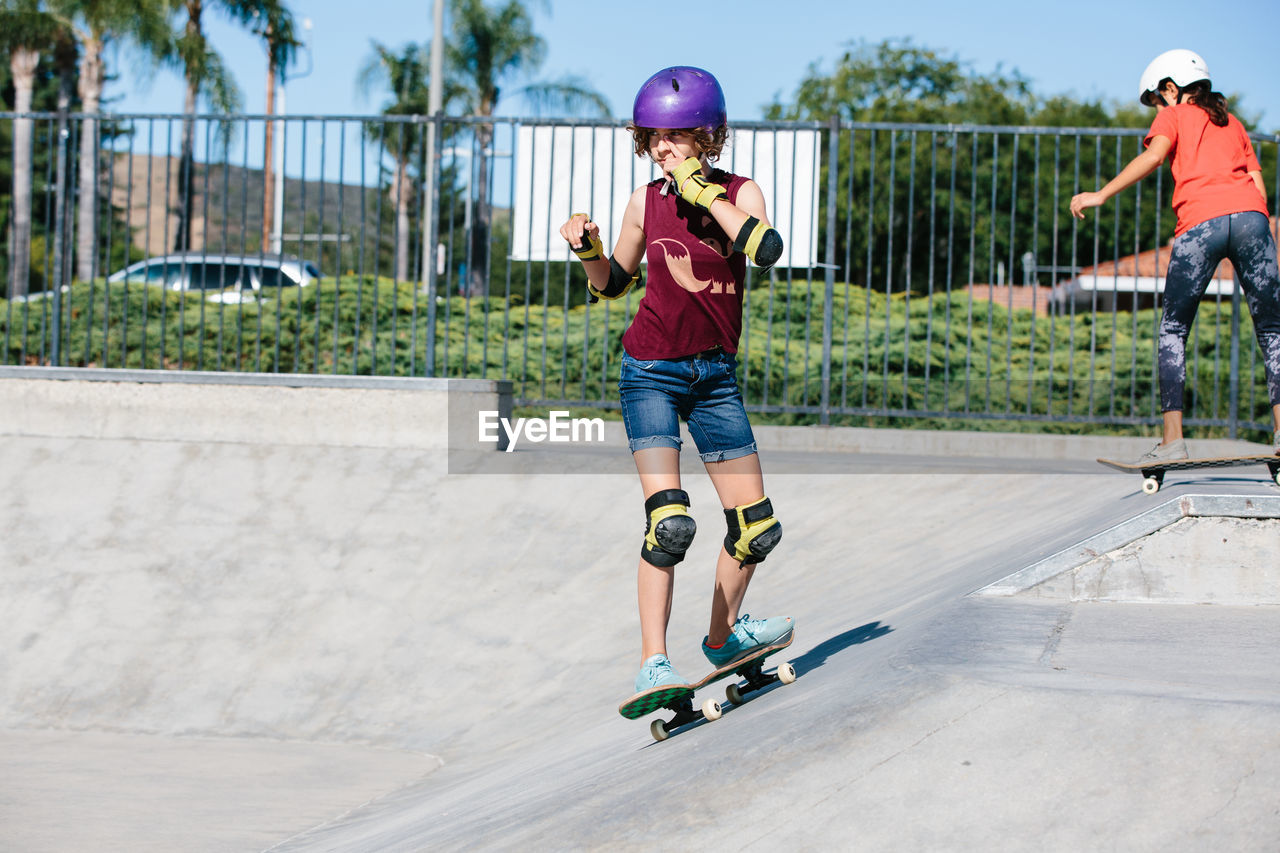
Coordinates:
(1023,296)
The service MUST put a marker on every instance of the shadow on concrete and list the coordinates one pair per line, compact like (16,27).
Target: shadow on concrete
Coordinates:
(818,655)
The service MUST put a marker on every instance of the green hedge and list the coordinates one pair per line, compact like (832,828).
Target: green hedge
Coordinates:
(943,360)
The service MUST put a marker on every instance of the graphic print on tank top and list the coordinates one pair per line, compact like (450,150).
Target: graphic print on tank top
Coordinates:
(680,263)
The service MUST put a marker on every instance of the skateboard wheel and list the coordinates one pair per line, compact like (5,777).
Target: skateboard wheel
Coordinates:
(733,694)
(659,730)
(1150,485)
(786,673)
(711,710)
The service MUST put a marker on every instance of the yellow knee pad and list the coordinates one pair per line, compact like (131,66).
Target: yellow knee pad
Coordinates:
(753,531)
(668,529)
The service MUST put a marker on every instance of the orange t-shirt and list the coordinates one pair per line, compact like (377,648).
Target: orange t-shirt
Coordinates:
(1211,165)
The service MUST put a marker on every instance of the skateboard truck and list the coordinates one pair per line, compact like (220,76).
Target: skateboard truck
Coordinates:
(1152,480)
(679,697)
(756,680)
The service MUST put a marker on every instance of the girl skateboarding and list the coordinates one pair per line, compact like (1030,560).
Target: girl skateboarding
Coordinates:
(1221,206)
(698,226)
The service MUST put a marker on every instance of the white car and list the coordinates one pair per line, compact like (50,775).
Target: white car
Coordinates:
(228,278)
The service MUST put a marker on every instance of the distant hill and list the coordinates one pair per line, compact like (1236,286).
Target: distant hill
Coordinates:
(228,209)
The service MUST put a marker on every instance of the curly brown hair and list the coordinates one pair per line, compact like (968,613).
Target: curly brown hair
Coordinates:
(709,143)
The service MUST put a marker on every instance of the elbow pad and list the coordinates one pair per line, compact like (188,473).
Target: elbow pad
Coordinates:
(760,243)
(620,281)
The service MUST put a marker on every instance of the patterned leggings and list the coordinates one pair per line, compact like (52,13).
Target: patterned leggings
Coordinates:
(1246,239)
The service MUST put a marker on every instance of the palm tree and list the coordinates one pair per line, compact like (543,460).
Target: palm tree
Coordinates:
(282,46)
(490,44)
(94,24)
(25,30)
(406,75)
(207,76)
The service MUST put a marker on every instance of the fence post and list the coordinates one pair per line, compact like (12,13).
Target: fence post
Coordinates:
(828,299)
(59,235)
(431,215)
(1233,404)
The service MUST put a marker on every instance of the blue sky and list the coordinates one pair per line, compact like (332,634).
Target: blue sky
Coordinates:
(759,49)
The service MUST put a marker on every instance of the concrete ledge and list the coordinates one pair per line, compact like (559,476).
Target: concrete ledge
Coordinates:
(278,380)
(980,444)
(244,408)
(1103,546)
(950,444)
(472,395)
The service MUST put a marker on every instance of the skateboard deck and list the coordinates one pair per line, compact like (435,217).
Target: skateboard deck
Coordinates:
(1153,472)
(679,697)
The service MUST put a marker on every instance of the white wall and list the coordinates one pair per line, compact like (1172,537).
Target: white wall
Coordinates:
(562,170)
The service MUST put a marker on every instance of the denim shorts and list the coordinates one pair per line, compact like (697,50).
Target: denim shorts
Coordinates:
(701,389)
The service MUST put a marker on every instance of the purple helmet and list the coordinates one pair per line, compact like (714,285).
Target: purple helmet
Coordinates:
(680,97)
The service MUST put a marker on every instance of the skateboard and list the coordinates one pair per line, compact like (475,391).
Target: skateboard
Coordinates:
(679,697)
(1153,472)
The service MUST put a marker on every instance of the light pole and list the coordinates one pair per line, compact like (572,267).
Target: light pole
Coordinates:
(431,219)
(435,103)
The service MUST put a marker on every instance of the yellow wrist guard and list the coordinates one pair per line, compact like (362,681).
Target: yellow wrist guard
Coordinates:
(694,188)
(590,250)
(591,247)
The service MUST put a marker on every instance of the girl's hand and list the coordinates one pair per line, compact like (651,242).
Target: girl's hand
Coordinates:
(1083,201)
(579,224)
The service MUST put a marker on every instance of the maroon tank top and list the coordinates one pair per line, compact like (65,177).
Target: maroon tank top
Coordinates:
(693,297)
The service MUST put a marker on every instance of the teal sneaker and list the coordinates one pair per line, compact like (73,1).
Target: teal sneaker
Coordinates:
(657,672)
(747,635)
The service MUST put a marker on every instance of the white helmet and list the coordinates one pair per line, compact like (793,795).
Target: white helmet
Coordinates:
(1183,67)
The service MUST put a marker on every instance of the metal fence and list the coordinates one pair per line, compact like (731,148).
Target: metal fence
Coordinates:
(933,271)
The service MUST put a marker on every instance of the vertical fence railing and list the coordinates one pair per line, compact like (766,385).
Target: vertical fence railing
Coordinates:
(935,275)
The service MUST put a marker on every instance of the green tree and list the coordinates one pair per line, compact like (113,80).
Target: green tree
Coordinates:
(25,30)
(489,45)
(406,76)
(978,186)
(898,81)
(50,89)
(207,76)
(275,28)
(93,25)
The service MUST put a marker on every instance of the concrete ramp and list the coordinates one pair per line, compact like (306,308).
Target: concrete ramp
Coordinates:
(1193,549)
(276,617)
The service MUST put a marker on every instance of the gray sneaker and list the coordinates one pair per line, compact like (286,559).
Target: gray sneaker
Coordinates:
(1165,452)
(1276,442)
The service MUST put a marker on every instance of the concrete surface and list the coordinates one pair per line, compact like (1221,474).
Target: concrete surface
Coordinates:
(1192,549)
(254,644)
